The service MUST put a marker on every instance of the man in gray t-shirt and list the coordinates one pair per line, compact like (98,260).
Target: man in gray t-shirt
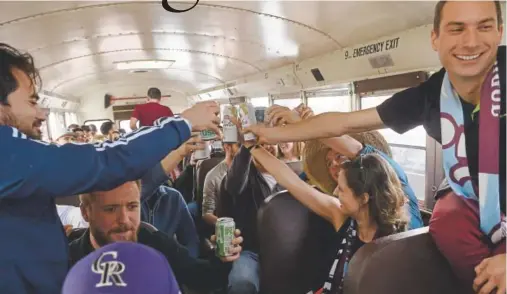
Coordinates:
(212,183)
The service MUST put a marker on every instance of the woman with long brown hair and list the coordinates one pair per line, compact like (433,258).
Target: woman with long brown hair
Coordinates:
(368,204)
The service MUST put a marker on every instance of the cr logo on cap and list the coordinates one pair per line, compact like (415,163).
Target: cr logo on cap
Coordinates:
(110,271)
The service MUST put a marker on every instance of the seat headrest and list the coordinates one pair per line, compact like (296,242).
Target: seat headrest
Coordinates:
(407,262)
(293,242)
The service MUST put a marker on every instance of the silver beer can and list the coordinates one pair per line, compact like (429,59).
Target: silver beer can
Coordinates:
(247,117)
(230,130)
(205,153)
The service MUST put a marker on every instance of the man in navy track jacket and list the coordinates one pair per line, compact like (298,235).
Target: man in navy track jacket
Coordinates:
(33,246)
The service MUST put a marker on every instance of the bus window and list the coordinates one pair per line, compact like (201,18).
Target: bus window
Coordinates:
(97,122)
(409,149)
(45,131)
(329,100)
(260,101)
(70,118)
(56,124)
(125,124)
(290,102)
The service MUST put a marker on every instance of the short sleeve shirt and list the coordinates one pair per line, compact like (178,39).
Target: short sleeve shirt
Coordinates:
(148,113)
(421,106)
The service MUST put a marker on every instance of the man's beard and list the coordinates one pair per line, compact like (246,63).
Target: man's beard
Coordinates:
(7,118)
(103,238)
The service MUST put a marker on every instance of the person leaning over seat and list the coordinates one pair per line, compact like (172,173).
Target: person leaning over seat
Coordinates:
(369,205)
(462,106)
(33,250)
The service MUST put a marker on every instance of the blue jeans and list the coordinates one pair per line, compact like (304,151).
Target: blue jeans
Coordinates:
(244,275)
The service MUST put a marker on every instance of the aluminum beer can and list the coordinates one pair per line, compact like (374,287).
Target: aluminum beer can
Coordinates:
(208,135)
(230,130)
(205,153)
(247,118)
(224,232)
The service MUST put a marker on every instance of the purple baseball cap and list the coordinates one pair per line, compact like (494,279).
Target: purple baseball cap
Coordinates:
(122,268)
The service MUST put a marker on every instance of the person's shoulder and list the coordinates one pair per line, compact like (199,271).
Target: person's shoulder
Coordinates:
(432,86)
(219,168)
(369,149)
(164,190)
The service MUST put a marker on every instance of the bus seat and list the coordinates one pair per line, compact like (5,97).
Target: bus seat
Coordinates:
(407,262)
(293,243)
(296,166)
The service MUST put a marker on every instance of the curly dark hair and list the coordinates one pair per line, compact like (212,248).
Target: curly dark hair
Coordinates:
(373,175)
(10,58)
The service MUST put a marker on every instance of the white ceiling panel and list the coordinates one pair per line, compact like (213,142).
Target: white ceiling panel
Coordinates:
(75,44)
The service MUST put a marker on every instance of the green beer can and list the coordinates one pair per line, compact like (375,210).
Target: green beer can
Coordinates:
(208,135)
(224,232)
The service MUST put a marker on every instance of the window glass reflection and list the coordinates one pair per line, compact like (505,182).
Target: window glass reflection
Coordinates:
(290,103)
(414,137)
(326,104)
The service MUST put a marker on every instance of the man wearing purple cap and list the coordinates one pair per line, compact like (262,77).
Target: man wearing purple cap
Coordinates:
(114,216)
(122,267)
